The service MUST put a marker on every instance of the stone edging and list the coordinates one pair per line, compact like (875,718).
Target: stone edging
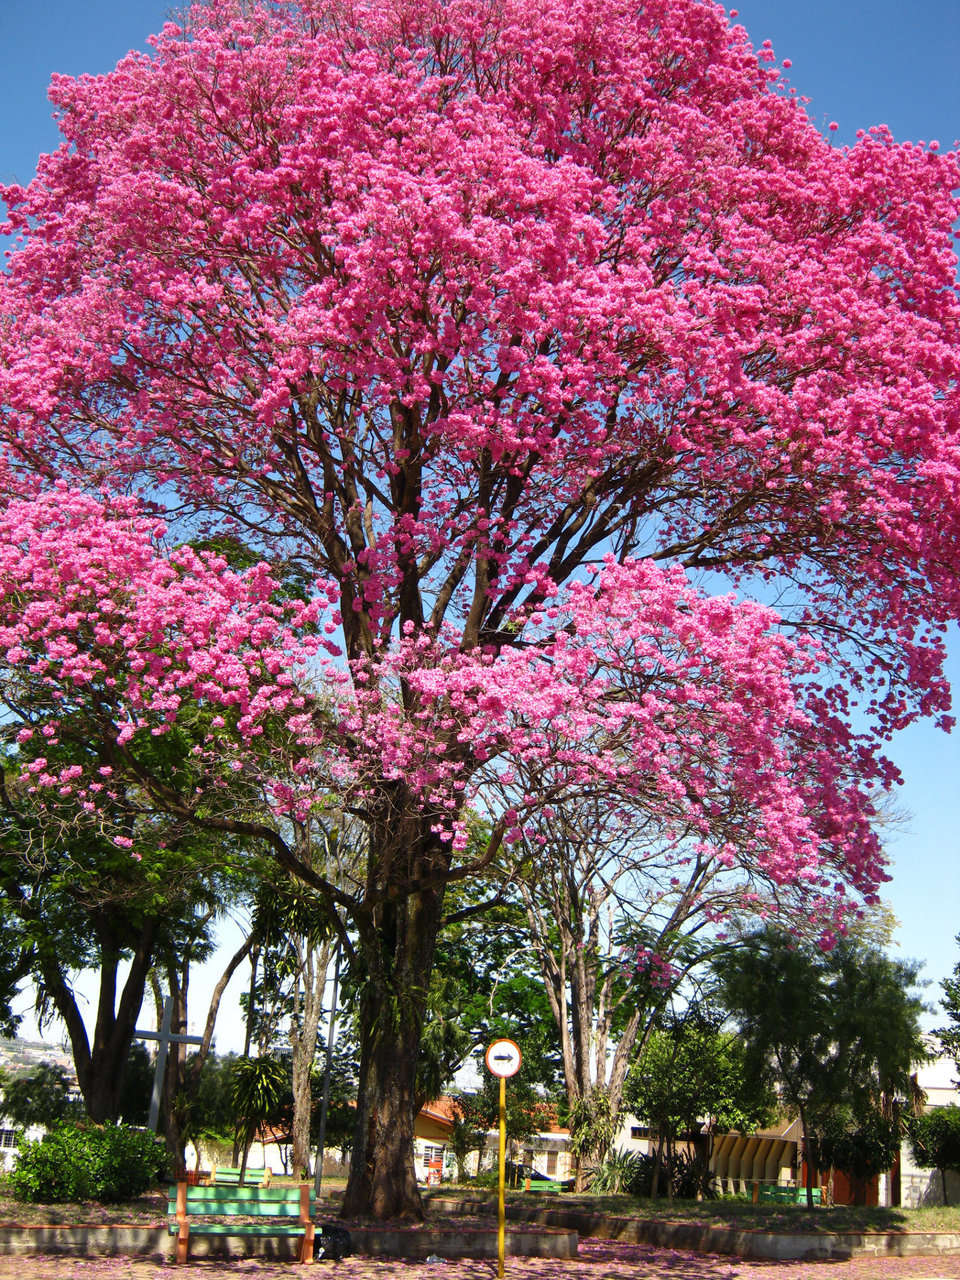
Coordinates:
(532,1241)
(80,1239)
(740,1241)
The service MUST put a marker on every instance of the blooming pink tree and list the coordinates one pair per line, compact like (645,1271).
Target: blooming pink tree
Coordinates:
(451,302)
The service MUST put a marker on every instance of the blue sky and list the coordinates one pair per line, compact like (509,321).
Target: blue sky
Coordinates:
(860,64)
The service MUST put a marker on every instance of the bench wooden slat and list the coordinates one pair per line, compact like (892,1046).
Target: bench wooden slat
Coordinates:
(243,1208)
(240,1229)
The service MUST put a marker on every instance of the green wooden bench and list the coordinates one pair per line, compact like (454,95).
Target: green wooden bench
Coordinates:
(230,1176)
(541,1184)
(770,1193)
(193,1211)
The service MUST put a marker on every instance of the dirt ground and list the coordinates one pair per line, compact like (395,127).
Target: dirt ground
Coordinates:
(598,1260)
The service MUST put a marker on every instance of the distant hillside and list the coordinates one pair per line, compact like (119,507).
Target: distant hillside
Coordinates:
(24,1055)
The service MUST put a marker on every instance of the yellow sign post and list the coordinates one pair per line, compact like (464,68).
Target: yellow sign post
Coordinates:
(503,1060)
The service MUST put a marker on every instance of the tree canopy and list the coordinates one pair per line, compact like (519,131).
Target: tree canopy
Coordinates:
(514,327)
(949,1035)
(935,1141)
(836,1032)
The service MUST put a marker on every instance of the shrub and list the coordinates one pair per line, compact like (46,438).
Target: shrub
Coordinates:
(620,1172)
(87,1162)
(686,1177)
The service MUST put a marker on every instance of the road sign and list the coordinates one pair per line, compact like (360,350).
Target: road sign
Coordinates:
(503,1058)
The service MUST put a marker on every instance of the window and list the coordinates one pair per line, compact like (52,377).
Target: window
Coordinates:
(8,1138)
(551,1164)
(639,1131)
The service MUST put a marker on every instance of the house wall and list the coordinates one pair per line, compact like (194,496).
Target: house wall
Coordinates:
(633,1136)
(549,1154)
(8,1141)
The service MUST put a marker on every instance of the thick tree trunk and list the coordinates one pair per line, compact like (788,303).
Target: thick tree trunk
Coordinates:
(100,1065)
(383,1181)
(397,953)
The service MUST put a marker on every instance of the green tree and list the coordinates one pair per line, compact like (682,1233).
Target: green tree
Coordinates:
(949,1035)
(136,1086)
(482,989)
(76,901)
(341,1102)
(212,1106)
(600,883)
(591,1122)
(935,1141)
(205,1111)
(296,953)
(258,1088)
(43,1096)
(15,963)
(860,1146)
(690,1076)
(828,1029)
(479,1110)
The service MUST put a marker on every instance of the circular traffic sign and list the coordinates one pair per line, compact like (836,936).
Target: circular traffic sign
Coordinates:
(503,1058)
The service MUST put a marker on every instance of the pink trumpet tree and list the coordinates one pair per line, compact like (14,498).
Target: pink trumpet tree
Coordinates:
(506,321)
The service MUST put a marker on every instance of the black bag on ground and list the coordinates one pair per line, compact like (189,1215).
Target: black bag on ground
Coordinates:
(331,1242)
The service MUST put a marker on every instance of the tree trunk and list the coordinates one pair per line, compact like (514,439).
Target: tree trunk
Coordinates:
(310,983)
(657,1161)
(100,1065)
(397,954)
(383,1181)
(302,1105)
(811,1156)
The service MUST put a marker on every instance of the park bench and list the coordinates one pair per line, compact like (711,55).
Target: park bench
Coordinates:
(780,1193)
(229,1175)
(542,1184)
(195,1210)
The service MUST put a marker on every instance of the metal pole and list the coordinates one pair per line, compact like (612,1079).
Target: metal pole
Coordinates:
(501,1204)
(318,1170)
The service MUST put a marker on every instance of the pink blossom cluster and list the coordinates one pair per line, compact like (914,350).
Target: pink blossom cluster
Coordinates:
(658,971)
(449,300)
(95,612)
(639,688)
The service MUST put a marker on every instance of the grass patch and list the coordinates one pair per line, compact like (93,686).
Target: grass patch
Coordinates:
(152,1208)
(735,1212)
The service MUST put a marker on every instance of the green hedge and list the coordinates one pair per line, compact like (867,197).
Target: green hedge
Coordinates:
(88,1162)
